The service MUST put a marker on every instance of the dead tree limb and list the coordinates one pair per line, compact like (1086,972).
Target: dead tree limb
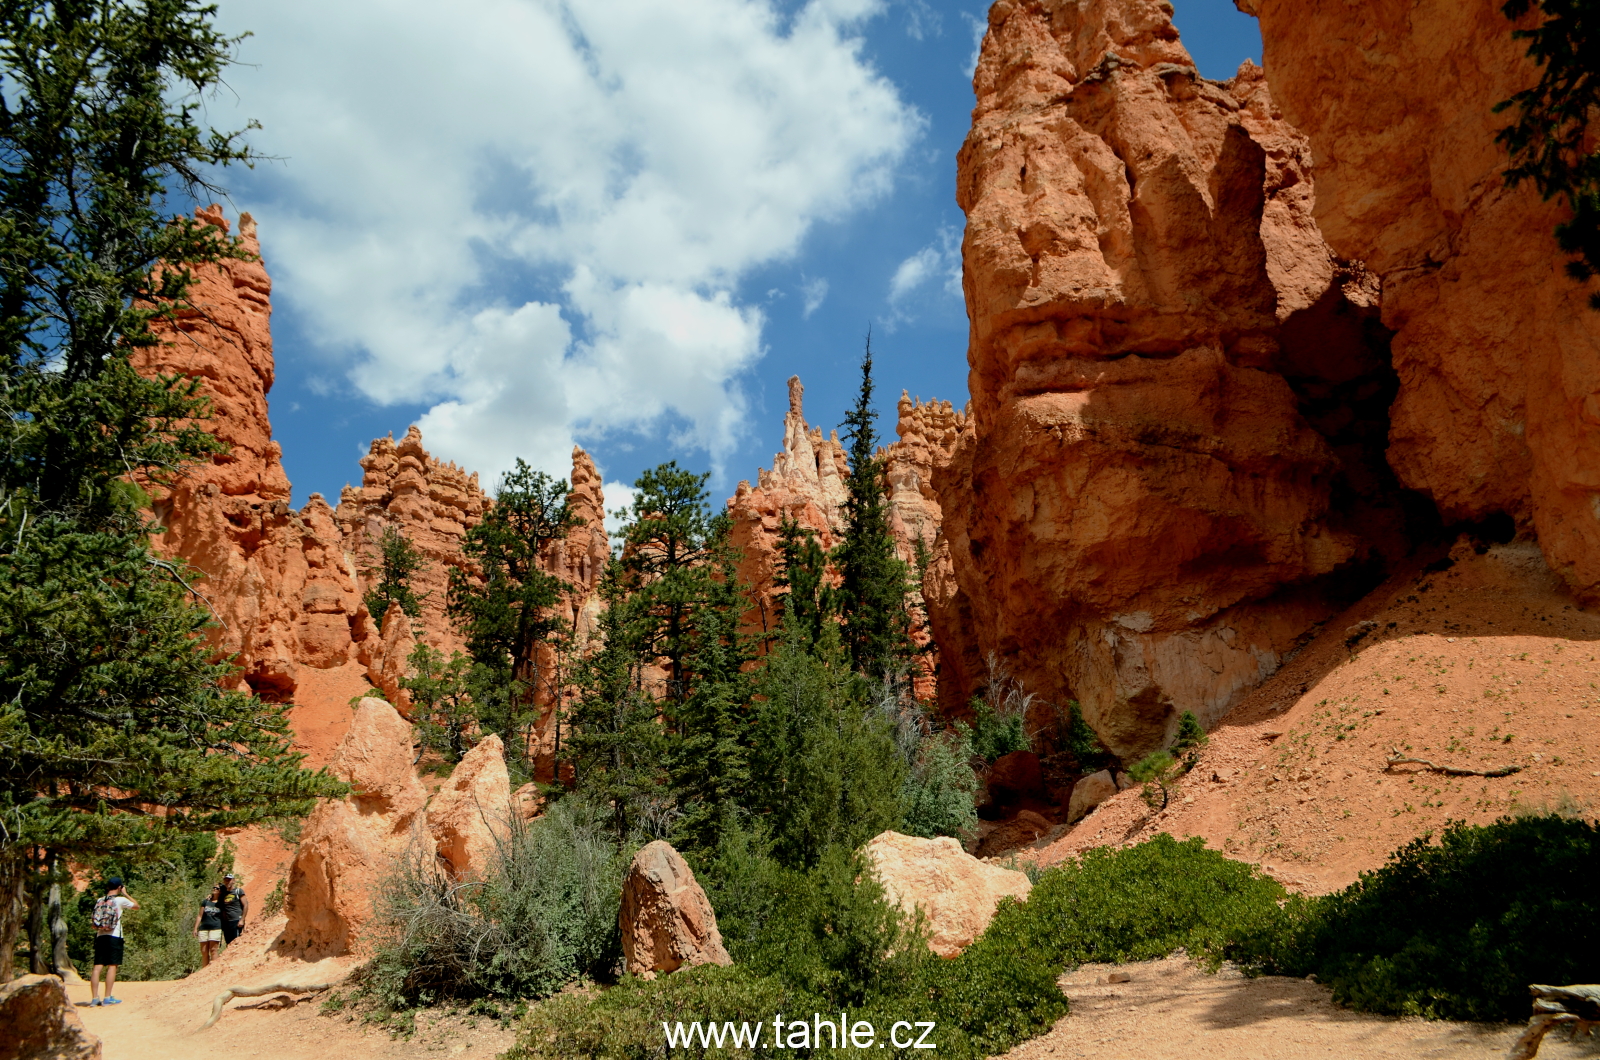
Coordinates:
(1398,759)
(257,991)
(1552,1006)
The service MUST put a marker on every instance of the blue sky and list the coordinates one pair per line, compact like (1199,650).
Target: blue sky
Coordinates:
(625,223)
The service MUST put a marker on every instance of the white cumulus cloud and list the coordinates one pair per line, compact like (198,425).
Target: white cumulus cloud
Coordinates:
(938,263)
(533,215)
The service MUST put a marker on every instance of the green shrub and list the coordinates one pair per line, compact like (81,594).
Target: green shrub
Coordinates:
(937,797)
(823,941)
(1455,930)
(544,914)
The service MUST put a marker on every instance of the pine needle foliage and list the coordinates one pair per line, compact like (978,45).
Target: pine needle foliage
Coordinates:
(1554,119)
(507,608)
(393,563)
(873,580)
(116,734)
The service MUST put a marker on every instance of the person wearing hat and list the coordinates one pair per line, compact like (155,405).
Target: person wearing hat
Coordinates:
(108,940)
(234,908)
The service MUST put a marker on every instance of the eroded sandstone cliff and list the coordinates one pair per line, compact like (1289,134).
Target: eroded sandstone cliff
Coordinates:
(1174,463)
(1498,354)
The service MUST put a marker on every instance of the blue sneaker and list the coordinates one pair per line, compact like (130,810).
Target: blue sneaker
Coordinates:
(113,1001)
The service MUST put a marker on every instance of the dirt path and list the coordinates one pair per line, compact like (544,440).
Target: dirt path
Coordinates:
(161,1021)
(1171,1010)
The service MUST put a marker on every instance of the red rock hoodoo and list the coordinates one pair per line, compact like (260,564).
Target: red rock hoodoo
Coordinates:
(1498,354)
(807,484)
(1174,463)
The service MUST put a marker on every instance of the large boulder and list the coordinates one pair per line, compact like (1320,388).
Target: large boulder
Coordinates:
(956,892)
(667,922)
(471,813)
(38,1022)
(1090,792)
(348,844)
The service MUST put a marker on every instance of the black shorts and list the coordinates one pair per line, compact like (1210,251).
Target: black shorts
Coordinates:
(107,949)
(230,930)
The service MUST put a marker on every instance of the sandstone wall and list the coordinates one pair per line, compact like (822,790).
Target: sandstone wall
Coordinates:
(1497,352)
(1173,467)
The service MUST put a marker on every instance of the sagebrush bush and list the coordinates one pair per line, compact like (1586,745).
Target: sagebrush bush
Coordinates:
(1456,930)
(543,914)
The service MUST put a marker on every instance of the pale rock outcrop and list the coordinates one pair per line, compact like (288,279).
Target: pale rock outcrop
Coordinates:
(38,1022)
(1090,792)
(348,844)
(1173,467)
(957,893)
(1497,351)
(471,813)
(667,922)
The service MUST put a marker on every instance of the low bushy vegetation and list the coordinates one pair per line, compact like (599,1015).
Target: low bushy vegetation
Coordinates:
(543,915)
(825,941)
(1453,930)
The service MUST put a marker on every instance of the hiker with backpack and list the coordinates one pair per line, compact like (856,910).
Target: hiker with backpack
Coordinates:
(107,922)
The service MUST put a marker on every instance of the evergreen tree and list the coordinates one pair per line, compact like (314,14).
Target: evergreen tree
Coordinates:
(1551,141)
(803,570)
(395,560)
(873,581)
(666,549)
(824,768)
(709,757)
(116,734)
(616,746)
(508,611)
(442,703)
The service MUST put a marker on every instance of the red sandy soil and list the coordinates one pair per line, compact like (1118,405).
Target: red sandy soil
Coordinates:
(1171,1010)
(1486,664)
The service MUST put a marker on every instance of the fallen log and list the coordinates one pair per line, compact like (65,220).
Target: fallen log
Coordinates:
(257,991)
(1398,759)
(1553,1006)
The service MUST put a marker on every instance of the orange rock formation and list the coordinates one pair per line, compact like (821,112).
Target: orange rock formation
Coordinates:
(1173,466)
(807,484)
(1498,354)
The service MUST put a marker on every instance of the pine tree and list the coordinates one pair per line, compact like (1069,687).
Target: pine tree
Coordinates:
(803,571)
(394,561)
(873,579)
(116,732)
(508,611)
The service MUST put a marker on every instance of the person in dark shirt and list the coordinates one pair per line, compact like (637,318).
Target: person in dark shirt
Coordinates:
(234,908)
(208,926)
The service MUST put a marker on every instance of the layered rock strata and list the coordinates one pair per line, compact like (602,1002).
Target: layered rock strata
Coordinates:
(1498,354)
(283,590)
(1173,465)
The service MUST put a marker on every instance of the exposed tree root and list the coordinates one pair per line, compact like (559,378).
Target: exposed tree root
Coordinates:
(257,991)
(1398,759)
(1553,1005)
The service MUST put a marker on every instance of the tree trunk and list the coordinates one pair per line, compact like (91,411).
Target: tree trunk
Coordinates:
(13,874)
(58,930)
(36,929)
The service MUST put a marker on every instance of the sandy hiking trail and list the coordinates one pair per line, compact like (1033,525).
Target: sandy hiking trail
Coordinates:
(161,1021)
(1172,1010)
(1168,1010)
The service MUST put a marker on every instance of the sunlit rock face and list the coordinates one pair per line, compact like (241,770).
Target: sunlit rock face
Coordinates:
(1174,463)
(1498,354)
